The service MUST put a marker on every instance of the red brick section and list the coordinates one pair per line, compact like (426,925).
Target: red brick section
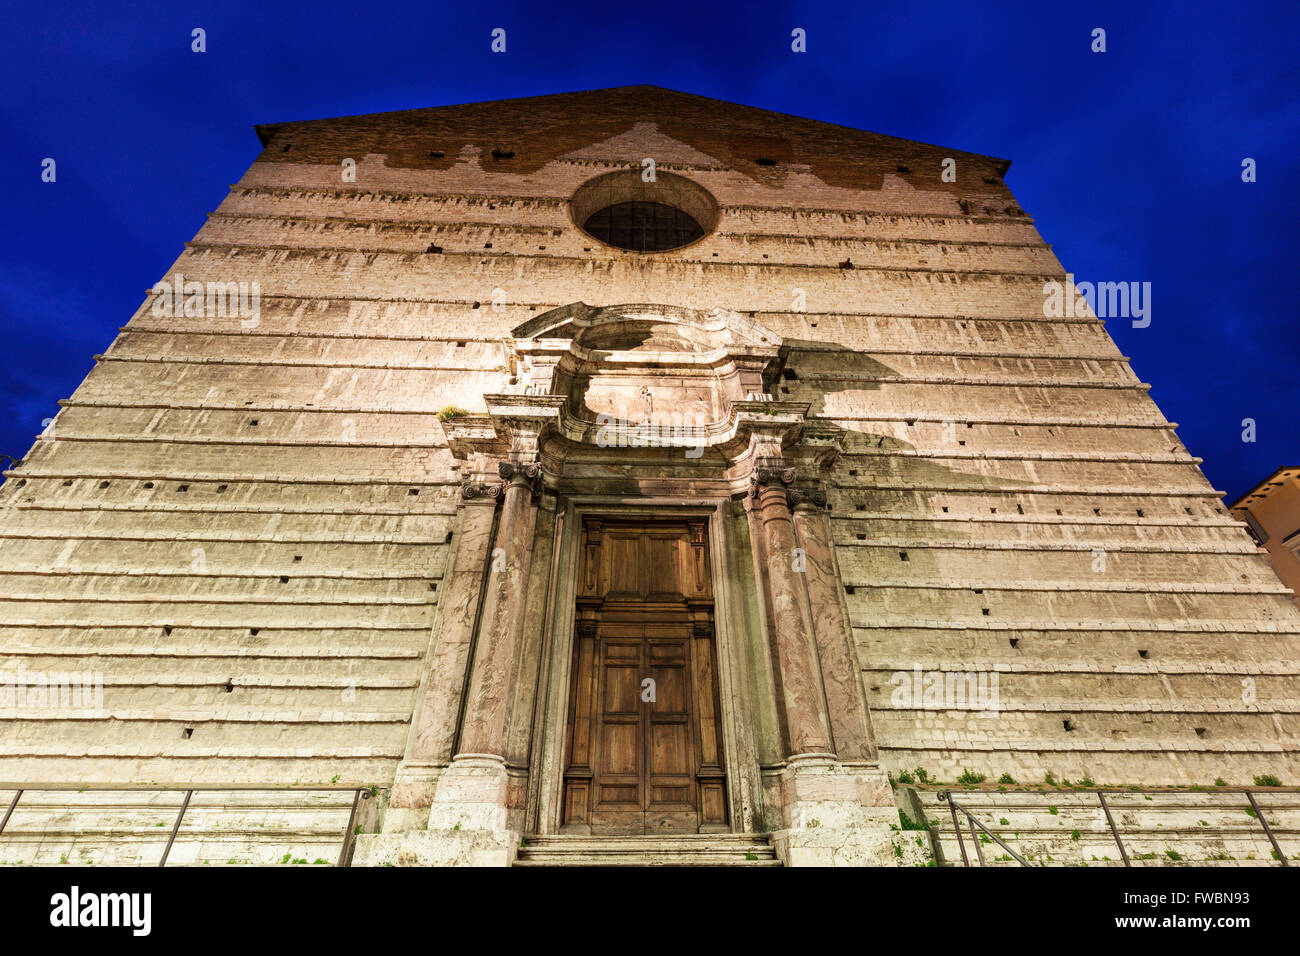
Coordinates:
(538,129)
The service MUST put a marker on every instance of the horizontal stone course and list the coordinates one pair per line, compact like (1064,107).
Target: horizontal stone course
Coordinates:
(997,447)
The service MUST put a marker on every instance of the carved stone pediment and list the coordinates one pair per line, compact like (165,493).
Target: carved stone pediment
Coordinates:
(645,375)
(589,325)
(638,376)
(644,362)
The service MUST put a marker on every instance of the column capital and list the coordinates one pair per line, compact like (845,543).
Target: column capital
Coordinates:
(772,474)
(521,474)
(809,493)
(473,490)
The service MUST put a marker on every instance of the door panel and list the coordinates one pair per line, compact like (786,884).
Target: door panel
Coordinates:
(618,779)
(643,748)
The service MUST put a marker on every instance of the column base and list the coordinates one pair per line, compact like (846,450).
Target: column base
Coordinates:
(463,820)
(410,798)
(835,814)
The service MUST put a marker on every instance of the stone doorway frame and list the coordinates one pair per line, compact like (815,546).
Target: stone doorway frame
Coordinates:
(731,610)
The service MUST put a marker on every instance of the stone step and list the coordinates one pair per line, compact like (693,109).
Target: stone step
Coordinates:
(704,849)
(226,850)
(131,828)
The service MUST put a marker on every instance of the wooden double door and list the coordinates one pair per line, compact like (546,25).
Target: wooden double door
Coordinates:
(644,751)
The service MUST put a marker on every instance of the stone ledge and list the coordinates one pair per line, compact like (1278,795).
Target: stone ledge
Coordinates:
(437,848)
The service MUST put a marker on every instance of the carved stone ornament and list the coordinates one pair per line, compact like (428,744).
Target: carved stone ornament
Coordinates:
(811,494)
(471,490)
(529,474)
(775,474)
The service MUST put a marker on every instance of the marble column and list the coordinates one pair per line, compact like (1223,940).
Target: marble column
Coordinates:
(835,809)
(501,629)
(432,740)
(435,729)
(841,675)
(806,719)
(474,815)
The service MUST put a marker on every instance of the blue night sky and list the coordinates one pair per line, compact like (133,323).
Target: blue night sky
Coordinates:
(1130,161)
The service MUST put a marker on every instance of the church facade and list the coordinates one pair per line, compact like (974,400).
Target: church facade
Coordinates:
(627,465)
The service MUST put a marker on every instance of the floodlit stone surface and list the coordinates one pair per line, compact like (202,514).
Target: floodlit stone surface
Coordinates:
(253,527)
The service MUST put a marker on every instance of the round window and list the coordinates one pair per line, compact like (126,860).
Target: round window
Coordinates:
(622,210)
(643,226)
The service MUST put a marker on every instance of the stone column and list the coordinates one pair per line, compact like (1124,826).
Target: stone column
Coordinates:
(807,723)
(435,730)
(501,632)
(835,809)
(473,819)
(470,815)
(841,675)
(431,743)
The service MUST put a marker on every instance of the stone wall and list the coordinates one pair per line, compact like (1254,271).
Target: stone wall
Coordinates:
(244,527)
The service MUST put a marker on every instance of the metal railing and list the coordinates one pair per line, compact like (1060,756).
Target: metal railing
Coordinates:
(946,796)
(358,794)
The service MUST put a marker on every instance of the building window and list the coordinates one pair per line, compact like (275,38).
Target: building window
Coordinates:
(643,226)
(622,210)
(1292,541)
(1256,530)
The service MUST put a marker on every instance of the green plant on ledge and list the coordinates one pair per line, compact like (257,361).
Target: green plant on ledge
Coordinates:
(908,823)
(449,412)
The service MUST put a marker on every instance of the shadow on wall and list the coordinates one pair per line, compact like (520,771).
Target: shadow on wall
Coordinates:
(892,574)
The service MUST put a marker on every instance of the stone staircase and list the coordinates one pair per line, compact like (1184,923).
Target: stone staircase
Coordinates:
(703,849)
(1158,828)
(131,828)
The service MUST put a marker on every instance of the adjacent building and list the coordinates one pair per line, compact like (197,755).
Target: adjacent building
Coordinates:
(1271,510)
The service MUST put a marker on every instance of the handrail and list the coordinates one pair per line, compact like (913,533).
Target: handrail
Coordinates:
(175,787)
(347,834)
(10,812)
(1114,830)
(176,826)
(1070,788)
(359,794)
(1268,830)
(946,796)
